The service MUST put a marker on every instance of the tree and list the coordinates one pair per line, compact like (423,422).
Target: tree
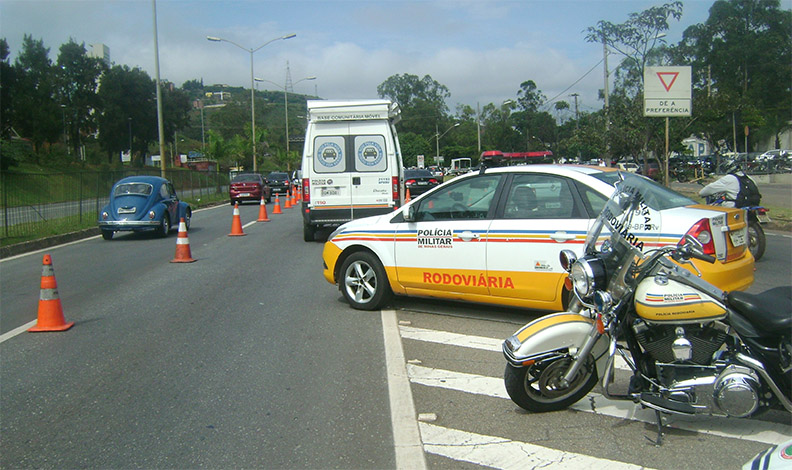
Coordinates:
(7,85)
(36,113)
(129,112)
(77,76)
(742,58)
(422,101)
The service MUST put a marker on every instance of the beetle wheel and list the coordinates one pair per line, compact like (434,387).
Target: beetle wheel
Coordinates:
(164,226)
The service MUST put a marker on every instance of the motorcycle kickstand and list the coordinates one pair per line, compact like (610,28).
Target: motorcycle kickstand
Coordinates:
(659,441)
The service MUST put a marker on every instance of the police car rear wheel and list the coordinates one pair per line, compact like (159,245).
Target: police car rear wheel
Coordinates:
(364,282)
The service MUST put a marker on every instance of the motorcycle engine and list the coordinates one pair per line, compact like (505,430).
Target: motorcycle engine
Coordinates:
(691,343)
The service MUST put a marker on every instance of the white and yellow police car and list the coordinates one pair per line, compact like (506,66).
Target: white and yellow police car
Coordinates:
(494,237)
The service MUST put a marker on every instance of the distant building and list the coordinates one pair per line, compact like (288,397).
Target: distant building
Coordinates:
(100,51)
(696,146)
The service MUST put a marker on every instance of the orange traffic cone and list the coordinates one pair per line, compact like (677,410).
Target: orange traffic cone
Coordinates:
(407,197)
(236,224)
(183,254)
(287,201)
(277,209)
(294,196)
(50,311)
(263,211)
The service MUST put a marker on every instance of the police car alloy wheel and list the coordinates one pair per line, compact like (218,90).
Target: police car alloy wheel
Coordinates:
(363,281)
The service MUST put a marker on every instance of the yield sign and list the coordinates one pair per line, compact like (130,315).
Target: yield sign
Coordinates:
(667,79)
(667,91)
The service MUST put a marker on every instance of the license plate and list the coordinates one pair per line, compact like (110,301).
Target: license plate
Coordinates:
(331,192)
(244,195)
(422,183)
(737,238)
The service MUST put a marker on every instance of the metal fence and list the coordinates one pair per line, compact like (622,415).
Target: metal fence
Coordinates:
(33,203)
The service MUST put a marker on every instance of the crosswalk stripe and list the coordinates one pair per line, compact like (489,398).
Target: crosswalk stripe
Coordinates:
(459,381)
(466,341)
(451,339)
(735,428)
(497,452)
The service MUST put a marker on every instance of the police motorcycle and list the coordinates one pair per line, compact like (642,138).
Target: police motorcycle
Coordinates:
(692,348)
(756,215)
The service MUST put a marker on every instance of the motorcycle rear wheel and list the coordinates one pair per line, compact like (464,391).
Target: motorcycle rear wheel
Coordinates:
(536,388)
(756,240)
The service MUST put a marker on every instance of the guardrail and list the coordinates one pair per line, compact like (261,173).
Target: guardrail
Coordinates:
(34,203)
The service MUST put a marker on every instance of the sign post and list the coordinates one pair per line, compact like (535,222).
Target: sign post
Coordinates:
(667,93)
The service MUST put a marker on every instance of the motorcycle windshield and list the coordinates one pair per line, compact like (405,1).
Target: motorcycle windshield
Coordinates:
(625,213)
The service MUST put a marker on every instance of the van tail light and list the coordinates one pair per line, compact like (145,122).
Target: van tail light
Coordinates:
(701,231)
(306,191)
(395,189)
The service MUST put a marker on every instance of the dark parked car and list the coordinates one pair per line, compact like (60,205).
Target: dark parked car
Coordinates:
(278,181)
(249,187)
(419,181)
(139,203)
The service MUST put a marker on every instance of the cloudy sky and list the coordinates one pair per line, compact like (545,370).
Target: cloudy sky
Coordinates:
(481,50)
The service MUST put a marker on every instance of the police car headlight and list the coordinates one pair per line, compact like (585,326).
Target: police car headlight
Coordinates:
(587,275)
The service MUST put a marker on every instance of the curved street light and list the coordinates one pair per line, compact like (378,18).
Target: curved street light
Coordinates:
(252,95)
(437,138)
(286,102)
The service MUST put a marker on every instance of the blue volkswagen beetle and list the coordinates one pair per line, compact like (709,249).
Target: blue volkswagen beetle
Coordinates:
(140,203)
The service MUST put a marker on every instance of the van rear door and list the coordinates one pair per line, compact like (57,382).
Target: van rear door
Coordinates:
(352,170)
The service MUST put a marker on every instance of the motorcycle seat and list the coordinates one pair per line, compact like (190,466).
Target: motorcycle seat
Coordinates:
(770,311)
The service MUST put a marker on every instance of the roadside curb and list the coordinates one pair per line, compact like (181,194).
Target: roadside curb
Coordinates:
(41,243)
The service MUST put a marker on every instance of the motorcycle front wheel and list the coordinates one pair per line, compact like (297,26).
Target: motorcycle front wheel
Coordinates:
(756,240)
(537,388)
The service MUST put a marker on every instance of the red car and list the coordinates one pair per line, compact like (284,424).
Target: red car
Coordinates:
(249,187)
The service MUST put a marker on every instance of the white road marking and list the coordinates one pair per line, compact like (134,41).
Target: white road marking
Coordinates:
(497,452)
(18,330)
(406,438)
(734,428)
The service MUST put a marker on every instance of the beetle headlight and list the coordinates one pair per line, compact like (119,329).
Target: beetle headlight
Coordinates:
(587,276)
(105,215)
(152,215)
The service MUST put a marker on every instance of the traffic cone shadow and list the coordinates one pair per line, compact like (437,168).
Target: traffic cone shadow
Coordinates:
(263,211)
(236,223)
(50,311)
(183,254)
(277,208)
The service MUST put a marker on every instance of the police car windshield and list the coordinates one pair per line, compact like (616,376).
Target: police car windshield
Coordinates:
(656,196)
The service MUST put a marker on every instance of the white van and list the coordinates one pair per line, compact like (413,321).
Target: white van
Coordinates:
(352,165)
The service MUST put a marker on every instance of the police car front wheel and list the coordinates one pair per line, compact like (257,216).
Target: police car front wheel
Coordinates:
(364,282)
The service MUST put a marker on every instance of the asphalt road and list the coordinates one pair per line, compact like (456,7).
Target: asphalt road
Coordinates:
(245,358)
(249,358)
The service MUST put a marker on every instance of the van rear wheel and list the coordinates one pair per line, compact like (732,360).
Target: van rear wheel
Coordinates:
(309,232)
(363,281)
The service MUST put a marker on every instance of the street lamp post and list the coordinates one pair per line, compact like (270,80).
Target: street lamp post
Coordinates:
(252,91)
(286,102)
(437,139)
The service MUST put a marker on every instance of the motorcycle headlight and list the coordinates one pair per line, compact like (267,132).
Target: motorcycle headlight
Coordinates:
(587,275)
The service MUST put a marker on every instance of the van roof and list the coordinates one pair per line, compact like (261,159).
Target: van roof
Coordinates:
(352,110)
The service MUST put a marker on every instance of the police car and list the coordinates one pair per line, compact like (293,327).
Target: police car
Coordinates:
(494,236)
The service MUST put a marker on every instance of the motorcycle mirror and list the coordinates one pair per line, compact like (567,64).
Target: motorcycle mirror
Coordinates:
(694,242)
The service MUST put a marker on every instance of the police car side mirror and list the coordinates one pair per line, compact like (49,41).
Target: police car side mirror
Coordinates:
(409,214)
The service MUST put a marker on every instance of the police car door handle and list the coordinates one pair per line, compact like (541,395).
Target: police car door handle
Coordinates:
(467,236)
(562,236)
